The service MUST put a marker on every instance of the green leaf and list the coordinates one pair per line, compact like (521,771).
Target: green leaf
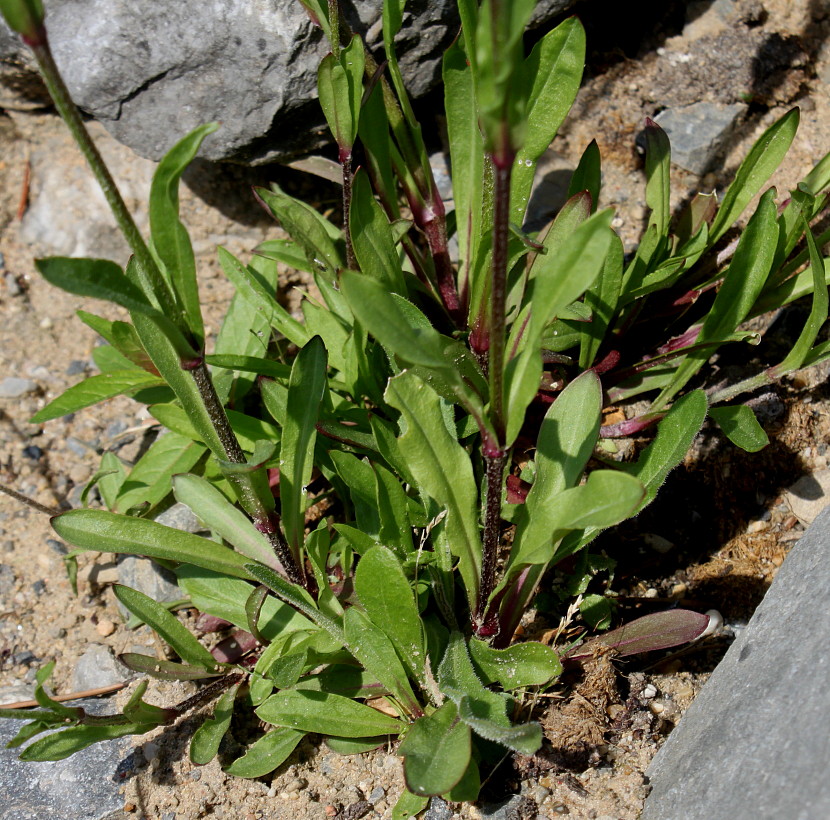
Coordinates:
(225,597)
(108,532)
(674,437)
(313,232)
(355,745)
(741,286)
(166,670)
(250,288)
(764,157)
(484,711)
(326,714)
(340,88)
(466,151)
(110,477)
(741,427)
(95,389)
(171,242)
(149,481)
(588,175)
(306,389)
(267,754)
(558,280)
(602,298)
(96,278)
(393,512)
(297,597)
(61,745)
(658,159)
(122,336)
(445,363)
(551,76)
(206,739)
(372,238)
(167,625)
(222,517)
(567,437)
(409,805)
(523,664)
(442,469)
(436,752)
(818,310)
(371,646)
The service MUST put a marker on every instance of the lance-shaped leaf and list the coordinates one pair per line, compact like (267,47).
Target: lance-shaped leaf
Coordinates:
(741,427)
(221,516)
(326,714)
(389,602)
(754,171)
(372,237)
(63,744)
(297,597)
(818,311)
(122,336)
(566,440)
(165,670)
(306,388)
(225,597)
(170,239)
(741,286)
(660,630)
(558,280)
(318,238)
(588,174)
(551,76)
(436,751)
(445,363)
(108,532)
(149,481)
(250,288)
(340,88)
(206,739)
(442,469)
(95,389)
(371,646)
(167,625)
(268,753)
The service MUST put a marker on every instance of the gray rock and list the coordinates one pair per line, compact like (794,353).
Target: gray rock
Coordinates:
(697,132)
(98,667)
(14,387)
(518,805)
(754,745)
(153,71)
(180,517)
(809,496)
(82,787)
(151,579)
(438,809)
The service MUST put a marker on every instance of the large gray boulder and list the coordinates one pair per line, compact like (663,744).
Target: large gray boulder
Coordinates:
(151,71)
(755,745)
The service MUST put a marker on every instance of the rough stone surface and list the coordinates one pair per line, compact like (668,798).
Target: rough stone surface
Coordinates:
(82,787)
(697,132)
(161,69)
(151,579)
(755,743)
(98,667)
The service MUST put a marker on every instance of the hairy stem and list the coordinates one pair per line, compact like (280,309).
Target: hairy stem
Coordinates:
(265,520)
(348,176)
(494,474)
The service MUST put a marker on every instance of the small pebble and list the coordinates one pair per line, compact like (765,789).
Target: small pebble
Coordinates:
(14,387)
(649,691)
(679,589)
(331,811)
(45,323)
(129,807)
(58,546)
(376,794)
(651,592)
(12,285)
(105,628)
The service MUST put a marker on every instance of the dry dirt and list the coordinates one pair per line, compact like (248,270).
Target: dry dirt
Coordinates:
(720,532)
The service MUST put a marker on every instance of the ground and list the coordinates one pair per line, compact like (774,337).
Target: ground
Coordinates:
(715,539)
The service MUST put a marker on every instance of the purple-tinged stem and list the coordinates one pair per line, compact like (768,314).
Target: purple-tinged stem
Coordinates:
(348,177)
